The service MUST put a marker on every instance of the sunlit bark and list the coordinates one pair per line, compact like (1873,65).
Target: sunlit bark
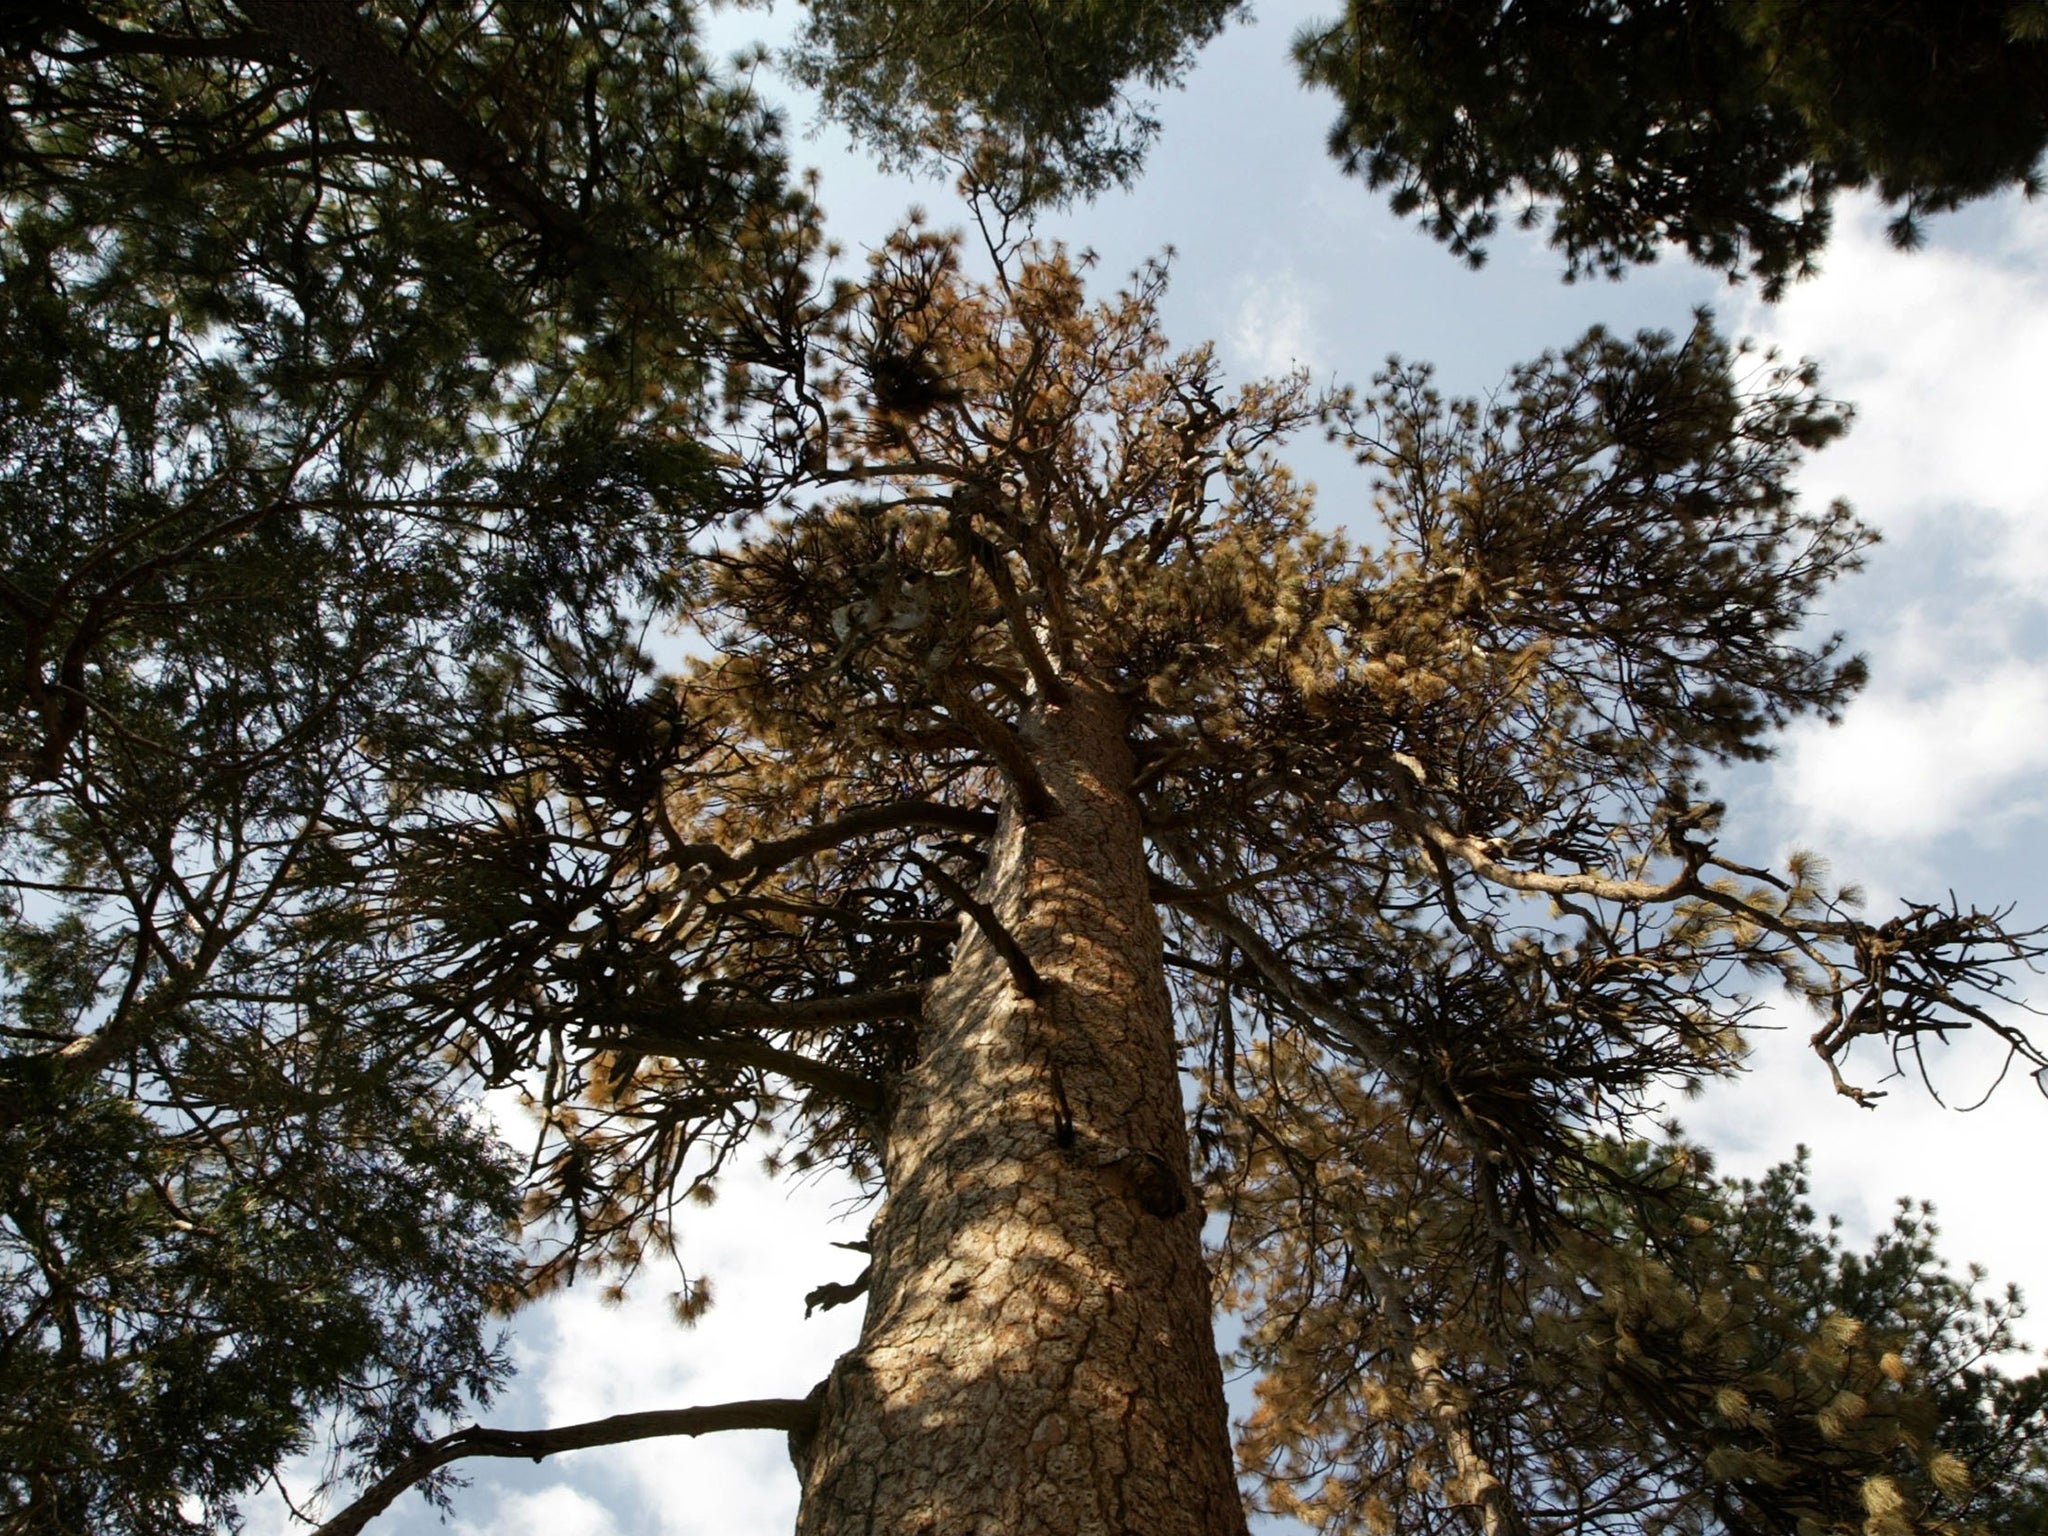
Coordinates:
(1038,1354)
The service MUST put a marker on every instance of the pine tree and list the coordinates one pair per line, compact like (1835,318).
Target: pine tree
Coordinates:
(1042,755)
(339,353)
(356,411)
(1726,129)
(1036,98)
(1685,1356)
(357,362)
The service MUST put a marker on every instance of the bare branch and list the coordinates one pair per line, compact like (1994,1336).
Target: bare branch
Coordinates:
(1017,618)
(792,1415)
(1287,984)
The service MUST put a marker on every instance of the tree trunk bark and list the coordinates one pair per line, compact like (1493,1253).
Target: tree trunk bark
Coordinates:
(1039,1354)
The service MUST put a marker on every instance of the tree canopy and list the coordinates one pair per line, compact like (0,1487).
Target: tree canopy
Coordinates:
(343,353)
(371,377)
(1035,97)
(1725,129)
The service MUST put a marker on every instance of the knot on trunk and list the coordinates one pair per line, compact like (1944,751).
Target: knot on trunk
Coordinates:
(1147,1180)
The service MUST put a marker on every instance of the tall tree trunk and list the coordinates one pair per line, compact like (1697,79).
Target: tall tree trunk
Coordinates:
(1038,1354)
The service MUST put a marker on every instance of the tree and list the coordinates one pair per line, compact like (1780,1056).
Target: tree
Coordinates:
(1034,96)
(354,353)
(1706,1359)
(364,352)
(1042,752)
(341,353)
(1726,129)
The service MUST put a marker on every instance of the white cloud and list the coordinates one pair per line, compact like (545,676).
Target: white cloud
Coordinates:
(1913,766)
(1938,770)
(1273,328)
(763,1246)
(1909,1145)
(1942,352)
(551,1512)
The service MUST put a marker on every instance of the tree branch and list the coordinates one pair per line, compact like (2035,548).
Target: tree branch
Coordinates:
(1023,974)
(995,566)
(896,816)
(744,1050)
(716,1015)
(792,1415)
(1001,743)
(333,37)
(1291,987)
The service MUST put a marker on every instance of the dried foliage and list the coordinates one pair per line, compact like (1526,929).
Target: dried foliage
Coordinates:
(1681,1356)
(1447,909)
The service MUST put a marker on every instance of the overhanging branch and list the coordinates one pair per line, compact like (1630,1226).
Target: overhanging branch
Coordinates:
(792,1415)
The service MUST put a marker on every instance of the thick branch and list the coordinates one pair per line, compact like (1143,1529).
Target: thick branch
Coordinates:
(1291,987)
(991,559)
(1001,743)
(743,1050)
(714,1015)
(896,816)
(1307,999)
(714,1029)
(1477,855)
(791,1415)
(333,37)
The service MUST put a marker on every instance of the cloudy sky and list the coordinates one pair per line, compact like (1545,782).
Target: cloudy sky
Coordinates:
(1933,782)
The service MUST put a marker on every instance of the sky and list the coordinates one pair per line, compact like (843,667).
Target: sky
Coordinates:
(1934,780)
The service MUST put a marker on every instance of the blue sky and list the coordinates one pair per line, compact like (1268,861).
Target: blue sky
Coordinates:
(1934,781)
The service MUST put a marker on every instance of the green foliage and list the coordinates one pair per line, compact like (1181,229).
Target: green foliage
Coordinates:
(179,1308)
(1726,129)
(343,357)
(1684,1356)
(1030,96)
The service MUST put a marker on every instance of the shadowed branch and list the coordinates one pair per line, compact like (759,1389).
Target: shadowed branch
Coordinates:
(789,1414)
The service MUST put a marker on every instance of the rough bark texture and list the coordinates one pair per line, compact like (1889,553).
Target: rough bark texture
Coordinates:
(1038,1354)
